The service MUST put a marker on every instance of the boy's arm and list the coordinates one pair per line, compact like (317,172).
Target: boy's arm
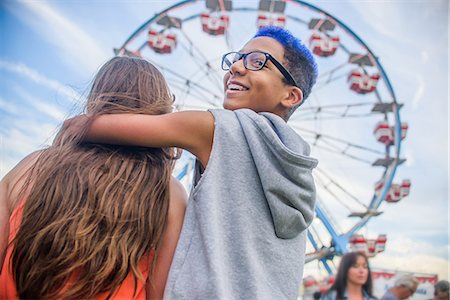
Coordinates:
(190,130)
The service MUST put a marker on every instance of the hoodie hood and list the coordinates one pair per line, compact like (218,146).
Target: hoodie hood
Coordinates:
(282,160)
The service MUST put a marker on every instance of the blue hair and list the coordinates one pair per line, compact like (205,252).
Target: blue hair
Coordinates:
(300,61)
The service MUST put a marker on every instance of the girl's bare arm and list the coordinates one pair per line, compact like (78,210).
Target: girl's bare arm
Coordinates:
(177,208)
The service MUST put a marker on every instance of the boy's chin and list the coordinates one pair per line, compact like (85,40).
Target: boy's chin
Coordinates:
(227,104)
(233,104)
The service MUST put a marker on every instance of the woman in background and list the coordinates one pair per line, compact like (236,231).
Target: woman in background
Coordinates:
(97,221)
(353,279)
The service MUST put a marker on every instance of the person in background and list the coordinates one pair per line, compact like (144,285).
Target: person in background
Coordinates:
(353,279)
(404,287)
(90,221)
(441,290)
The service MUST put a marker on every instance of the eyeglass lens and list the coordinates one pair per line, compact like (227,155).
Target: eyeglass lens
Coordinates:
(252,61)
(255,61)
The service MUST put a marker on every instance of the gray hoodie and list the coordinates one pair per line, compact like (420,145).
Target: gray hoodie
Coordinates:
(244,231)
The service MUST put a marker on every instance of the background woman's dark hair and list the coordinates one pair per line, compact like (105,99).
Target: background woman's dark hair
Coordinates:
(94,212)
(340,283)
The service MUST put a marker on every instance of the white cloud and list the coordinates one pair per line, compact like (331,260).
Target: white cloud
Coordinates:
(424,56)
(411,217)
(41,79)
(420,90)
(413,255)
(77,48)
(41,106)
(380,11)
(8,106)
(388,19)
(413,261)
(136,12)
(398,246)
(22,138)
(408,154)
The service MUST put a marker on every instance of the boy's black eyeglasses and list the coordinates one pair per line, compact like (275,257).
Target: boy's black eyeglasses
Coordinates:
(255,61)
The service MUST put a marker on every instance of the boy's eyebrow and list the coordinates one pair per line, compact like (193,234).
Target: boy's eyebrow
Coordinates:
(250,50)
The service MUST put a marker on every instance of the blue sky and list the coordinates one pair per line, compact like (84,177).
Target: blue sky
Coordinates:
(50,50)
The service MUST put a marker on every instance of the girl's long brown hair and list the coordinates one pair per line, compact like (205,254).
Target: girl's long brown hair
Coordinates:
(95,211)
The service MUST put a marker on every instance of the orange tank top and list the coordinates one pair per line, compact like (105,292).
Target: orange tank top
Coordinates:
(8,287)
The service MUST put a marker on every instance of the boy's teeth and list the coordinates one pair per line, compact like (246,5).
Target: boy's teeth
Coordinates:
(233,86)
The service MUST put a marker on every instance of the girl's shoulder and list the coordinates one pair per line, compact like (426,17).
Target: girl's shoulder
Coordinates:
(13,184)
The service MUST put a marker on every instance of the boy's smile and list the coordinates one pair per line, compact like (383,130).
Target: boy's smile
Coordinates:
(234,86)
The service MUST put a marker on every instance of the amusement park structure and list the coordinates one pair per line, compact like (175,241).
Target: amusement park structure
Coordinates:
(352,118)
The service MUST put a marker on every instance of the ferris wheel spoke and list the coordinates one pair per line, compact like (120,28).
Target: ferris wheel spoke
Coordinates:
(201,62)
(320,251)
(197,94)
(316,235)
(331,193)
(339,152)
(344,145)
(192,93)
(337,117)
(202,66)
(204,62)
(185,92)
(206,70)
(321,85)
(333,112)
(329,73)
(379,99)
(347,106)
(191,83)
(330,219)
(312,239)
(297,19)
(333,182)
(339,111)
(228,41)
(144,45)
(200,75)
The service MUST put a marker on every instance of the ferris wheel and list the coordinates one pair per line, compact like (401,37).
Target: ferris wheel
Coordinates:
(351,119)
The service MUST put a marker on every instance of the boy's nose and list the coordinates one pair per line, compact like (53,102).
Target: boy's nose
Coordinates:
(238,67)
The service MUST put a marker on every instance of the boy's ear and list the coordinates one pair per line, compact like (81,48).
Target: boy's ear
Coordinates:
(294,98)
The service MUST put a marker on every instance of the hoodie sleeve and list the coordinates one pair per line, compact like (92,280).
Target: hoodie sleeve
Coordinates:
(282,160)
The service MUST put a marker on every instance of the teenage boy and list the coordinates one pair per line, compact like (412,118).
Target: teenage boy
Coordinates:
(244,232)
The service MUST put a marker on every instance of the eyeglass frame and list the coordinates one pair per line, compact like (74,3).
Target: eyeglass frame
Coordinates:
(268,56)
